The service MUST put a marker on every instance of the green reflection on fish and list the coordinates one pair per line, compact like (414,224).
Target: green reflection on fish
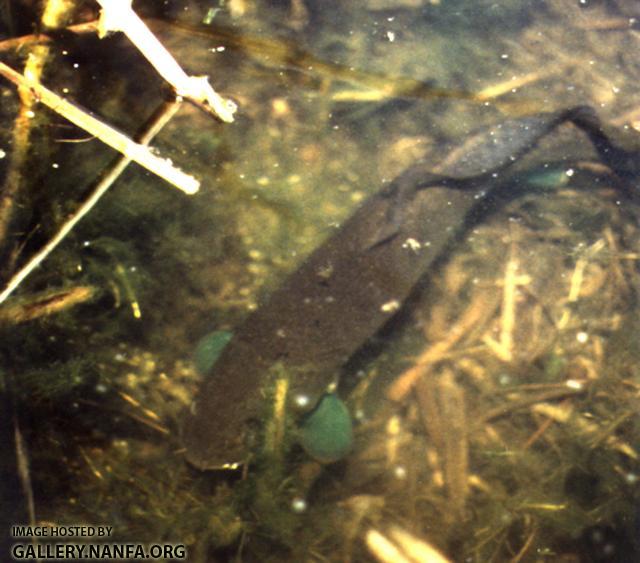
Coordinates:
(208,350)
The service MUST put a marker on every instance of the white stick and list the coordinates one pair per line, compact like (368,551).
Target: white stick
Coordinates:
(107,134)
(117,15)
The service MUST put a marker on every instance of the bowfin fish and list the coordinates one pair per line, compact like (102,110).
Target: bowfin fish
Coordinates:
(487,153)
(355,282)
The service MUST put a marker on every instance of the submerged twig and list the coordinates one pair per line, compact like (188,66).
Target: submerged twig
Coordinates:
(565,414)
(442,405)
(24,474)
(148,418)
(133,151)
(159,120)
(21,135)
(504,347)
(401,547)
(49,304)
(34,67)
(117,15)
(275,430)
(480,308)
(43,38)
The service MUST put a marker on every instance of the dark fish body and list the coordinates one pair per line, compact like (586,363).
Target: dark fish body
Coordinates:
(350,287)
(315,321)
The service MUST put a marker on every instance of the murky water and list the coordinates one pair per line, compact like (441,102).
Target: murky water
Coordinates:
(486,408)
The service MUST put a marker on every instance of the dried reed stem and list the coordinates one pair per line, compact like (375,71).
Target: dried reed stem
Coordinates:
(46,305)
